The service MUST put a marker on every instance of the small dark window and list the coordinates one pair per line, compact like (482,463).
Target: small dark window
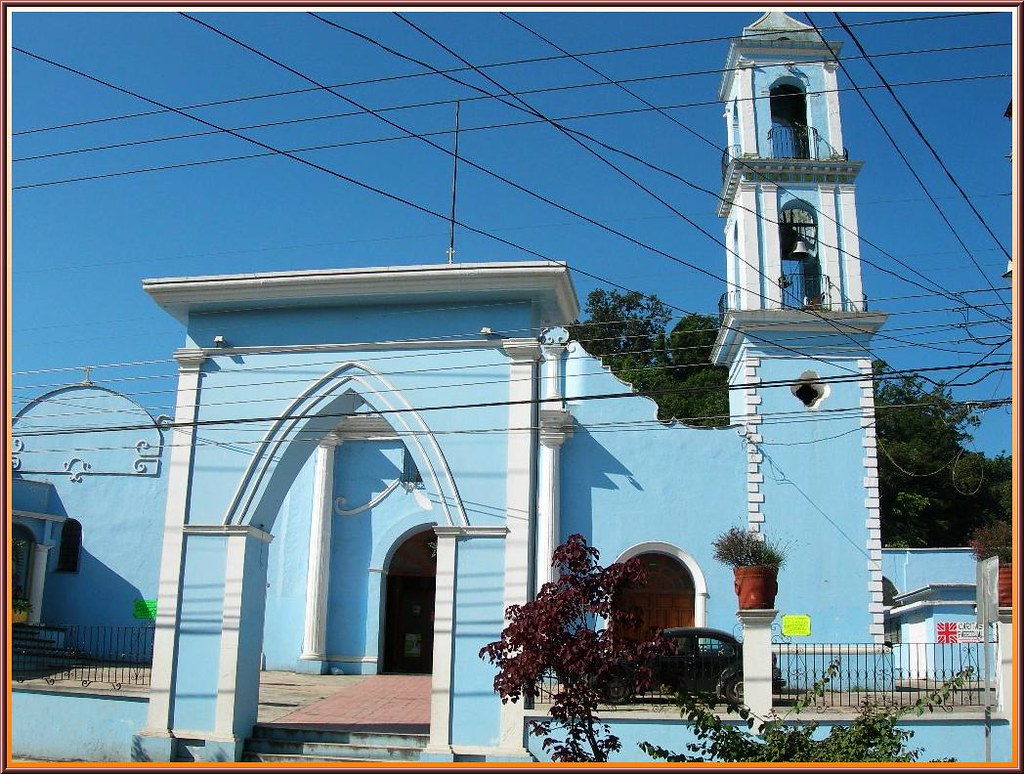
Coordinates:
(410,473)
(70,546)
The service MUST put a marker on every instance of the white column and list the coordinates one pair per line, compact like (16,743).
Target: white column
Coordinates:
(749,278)
(850,258)
(182,445)
(748,126)
(835,123)
(769,224)
(35,587)
(828,246)
(314,643)
(555,427)
(241,632)
(1004,662)
(519,502)
(444,620)
(757,659)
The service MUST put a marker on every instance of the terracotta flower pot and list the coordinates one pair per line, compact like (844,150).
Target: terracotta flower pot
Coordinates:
(19,616)
(1005,585)
(756,587)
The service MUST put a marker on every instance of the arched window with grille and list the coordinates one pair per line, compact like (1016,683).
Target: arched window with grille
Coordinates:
(70,546)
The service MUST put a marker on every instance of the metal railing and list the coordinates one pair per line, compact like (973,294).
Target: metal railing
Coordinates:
(800,142)
(112,655)
(794,296)
(894,675)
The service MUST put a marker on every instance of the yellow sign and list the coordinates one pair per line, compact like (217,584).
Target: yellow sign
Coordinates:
(796,626)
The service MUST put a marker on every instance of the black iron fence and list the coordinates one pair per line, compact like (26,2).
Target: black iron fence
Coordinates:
(112,656)
(896,675)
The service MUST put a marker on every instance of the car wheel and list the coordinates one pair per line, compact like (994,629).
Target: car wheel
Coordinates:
(618,691)
(733,689)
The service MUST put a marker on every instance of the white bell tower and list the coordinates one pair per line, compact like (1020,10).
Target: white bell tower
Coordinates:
(795,328)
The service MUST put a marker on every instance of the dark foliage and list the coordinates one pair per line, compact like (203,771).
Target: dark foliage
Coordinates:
(560,633)
(627,331)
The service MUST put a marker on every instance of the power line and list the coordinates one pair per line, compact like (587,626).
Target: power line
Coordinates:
(926,142)
(904,158)
(532,60)
(317,166)
(572,134)
(436,103)
(234,421)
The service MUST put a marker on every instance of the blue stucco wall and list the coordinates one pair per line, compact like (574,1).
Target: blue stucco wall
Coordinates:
(54,725)
(120,496)
(936,735)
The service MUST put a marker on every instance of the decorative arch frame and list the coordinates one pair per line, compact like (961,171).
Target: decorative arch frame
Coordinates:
(314,414)
(700,585)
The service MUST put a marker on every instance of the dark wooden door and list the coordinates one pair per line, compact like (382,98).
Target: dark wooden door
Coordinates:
(409,645)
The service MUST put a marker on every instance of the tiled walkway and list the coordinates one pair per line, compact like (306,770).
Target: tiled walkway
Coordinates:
(378,703)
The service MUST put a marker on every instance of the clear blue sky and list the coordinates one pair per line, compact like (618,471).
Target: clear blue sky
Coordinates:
(82,248)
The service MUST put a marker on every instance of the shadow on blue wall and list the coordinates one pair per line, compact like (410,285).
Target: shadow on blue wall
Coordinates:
(587,465)
(94,595)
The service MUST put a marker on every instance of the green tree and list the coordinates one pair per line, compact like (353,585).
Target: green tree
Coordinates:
(627,331)
(933,491)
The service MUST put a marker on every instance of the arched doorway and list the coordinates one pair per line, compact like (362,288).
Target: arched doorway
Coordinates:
(409,606)
(667,599)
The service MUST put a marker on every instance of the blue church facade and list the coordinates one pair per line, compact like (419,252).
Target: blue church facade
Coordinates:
(366,467)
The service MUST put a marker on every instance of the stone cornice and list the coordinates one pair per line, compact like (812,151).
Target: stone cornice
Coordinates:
(749,170)
(545,285)
(522,350)
(227,530)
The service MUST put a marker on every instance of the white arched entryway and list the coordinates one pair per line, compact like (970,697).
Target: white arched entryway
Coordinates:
(700,588)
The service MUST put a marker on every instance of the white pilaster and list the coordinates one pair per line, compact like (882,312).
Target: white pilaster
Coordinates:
(519,503)
(748,128)
(555,428)
(850,259)
(835,123)
(828,246)
(314,642)
(158,720)
(757,659)
(749,264)
(769,223)
(40,554)
(444,625)
(238,672)
(1005,681)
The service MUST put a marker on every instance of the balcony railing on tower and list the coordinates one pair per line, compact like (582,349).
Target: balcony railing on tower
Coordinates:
(796,296)
(800,142)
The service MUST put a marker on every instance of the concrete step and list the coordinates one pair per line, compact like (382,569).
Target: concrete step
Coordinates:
(271,742)
(279,731)
(317,751)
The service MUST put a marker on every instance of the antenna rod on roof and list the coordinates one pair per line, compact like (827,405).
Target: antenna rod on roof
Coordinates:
(455,178)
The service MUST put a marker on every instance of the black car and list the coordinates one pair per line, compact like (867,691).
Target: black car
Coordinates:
(700,660)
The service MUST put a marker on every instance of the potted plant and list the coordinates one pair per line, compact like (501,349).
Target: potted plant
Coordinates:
(755,561)
(20,608)
(996,539)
